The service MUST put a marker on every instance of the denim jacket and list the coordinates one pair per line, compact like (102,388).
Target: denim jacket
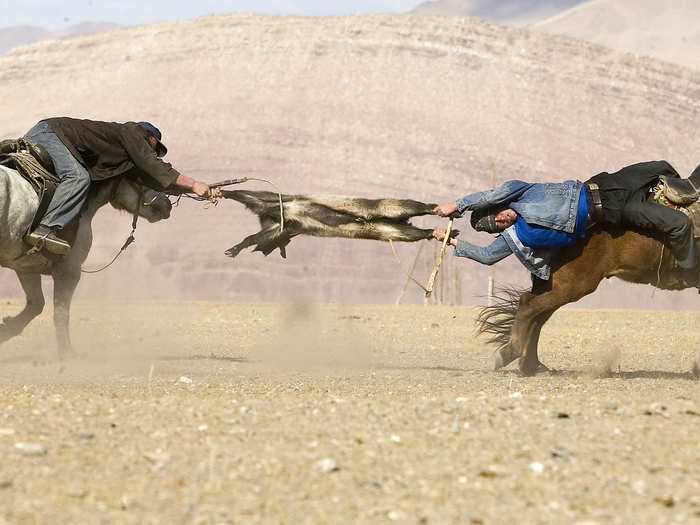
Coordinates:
(536,260)
(552,205)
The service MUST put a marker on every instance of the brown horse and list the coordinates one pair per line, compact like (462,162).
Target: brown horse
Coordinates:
(515,321)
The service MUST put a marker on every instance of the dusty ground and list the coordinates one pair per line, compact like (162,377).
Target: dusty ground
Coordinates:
(225,413)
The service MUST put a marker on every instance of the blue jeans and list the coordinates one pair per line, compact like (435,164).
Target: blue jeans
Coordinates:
(71,193)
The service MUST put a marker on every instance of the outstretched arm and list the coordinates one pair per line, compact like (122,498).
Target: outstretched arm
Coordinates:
(488,255)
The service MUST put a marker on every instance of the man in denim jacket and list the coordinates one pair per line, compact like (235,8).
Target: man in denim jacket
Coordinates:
(538,218)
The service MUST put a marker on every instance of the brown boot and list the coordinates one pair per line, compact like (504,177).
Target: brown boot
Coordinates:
(44,236)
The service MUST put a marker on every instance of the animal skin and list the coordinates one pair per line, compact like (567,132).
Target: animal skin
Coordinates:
(328,216)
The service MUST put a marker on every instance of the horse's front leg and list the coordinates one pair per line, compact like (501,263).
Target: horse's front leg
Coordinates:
(12,326)
(63,289)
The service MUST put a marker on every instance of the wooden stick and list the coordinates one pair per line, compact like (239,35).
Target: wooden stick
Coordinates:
(438,262)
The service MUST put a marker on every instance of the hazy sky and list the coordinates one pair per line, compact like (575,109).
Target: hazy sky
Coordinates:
(60,13)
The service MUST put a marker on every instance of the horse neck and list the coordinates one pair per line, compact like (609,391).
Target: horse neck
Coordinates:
(100,194)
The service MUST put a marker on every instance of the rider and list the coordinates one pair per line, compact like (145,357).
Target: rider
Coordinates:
(88,150)
(535,218)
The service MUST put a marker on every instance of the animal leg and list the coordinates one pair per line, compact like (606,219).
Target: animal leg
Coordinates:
(12,326)
(530,363)
(266,240)
(64,287)
(570,282)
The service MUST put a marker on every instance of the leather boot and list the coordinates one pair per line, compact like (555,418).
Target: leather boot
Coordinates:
(44,236)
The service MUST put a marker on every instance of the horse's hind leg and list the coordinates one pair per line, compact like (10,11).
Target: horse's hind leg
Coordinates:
(12,326)
(566,285)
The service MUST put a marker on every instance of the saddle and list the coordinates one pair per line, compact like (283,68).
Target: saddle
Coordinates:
(34,164)
(680,194)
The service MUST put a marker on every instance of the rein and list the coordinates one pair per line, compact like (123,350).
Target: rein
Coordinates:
(130,239)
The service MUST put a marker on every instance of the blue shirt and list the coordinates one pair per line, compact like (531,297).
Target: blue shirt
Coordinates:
(537,236)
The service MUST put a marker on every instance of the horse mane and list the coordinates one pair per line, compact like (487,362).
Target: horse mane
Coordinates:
(497,320)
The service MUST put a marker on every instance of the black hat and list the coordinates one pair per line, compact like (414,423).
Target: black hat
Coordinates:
(485,220)
(161,150)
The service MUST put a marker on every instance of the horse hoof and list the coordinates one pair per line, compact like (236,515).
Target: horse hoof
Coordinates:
(529,369)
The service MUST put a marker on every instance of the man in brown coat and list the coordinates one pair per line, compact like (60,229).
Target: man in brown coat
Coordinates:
(87,150)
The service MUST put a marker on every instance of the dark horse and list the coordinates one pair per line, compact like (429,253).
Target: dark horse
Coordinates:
(515,322)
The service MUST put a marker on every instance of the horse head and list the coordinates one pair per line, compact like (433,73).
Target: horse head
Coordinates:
(129,195)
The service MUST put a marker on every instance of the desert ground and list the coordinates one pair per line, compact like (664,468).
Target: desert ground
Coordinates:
(196,412)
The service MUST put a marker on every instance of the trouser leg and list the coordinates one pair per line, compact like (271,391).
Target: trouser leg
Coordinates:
(71,192)
(674,224)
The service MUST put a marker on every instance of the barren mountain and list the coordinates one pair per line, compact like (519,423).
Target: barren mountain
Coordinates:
(13,36)
(420,107)
(504,11)
(666,30)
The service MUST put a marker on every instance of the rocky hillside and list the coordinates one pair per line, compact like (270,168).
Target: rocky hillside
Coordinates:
(666,30)
(409,106)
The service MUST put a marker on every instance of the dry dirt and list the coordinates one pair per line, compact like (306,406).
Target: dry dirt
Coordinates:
(234,413)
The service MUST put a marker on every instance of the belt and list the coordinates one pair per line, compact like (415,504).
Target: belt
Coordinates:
(596,214)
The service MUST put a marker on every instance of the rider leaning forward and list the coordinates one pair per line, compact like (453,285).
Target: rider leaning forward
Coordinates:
(533,219)
(86,150)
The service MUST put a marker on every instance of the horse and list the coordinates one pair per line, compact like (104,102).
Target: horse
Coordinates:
(514,322)
(18,205)
(328,216)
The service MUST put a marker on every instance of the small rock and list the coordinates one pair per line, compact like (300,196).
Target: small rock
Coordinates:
(560,452)
(639,487)
(30,449)
(666,501)
(394,515)
(537,467)
(7,431)
(327,465)
(203,427)
(395,438)
(184,379)
(86,435)
(515,395)
(5,483)
(656,409)
(492,471)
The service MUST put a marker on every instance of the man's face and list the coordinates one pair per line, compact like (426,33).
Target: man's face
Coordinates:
(154,144)
(505,218)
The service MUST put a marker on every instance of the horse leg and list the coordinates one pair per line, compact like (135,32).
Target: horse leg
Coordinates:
(567,285)
(530,363)
(12,326)
(63,289)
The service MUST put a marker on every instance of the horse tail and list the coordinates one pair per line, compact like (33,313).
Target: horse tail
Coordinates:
(497,320)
